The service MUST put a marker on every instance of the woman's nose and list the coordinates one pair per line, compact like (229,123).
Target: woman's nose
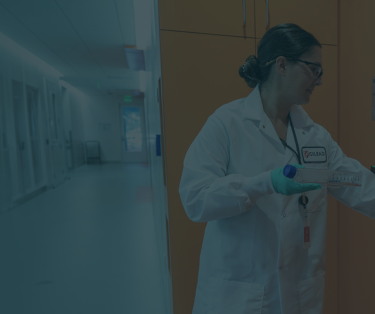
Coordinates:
(318,81)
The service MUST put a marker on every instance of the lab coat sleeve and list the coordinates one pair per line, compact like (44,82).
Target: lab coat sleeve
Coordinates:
(206,191)
(361,199)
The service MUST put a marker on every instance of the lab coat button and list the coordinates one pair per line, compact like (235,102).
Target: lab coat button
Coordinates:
(284,215)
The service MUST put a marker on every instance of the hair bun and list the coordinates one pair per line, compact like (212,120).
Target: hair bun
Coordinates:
(251,63)
(250,71)
(252,60)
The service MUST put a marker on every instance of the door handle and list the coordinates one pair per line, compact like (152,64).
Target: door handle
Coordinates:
(244,17)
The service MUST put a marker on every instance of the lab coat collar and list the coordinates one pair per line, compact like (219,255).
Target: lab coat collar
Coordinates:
(254,111)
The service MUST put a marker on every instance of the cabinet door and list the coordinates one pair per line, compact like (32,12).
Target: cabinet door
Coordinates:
(357,133)
(200,74)
(207,16)
(317,17)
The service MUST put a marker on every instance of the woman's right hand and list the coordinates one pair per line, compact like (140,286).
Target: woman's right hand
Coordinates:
(287,186)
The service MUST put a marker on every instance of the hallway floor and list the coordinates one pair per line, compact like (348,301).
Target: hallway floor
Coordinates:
(86,247)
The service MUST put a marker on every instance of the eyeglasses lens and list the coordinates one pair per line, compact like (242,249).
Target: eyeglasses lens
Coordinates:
(317,71)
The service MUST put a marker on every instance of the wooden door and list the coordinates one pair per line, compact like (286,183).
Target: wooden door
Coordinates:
(356,256)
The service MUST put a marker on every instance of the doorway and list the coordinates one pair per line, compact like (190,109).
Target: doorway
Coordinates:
(133,134)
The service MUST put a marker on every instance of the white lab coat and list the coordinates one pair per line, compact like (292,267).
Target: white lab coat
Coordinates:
(252,258)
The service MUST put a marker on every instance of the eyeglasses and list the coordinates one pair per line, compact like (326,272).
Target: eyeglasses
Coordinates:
(316,70)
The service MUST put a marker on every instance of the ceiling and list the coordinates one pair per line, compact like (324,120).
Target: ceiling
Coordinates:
(82,39)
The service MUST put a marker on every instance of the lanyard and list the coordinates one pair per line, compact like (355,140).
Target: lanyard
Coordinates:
(303,200)
(295,140)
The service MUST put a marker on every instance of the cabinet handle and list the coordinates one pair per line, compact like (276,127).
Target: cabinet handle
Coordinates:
(244,11)
(244,17)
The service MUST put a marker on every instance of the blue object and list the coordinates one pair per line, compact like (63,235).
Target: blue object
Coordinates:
(289,171)
(158,148)
(284,185)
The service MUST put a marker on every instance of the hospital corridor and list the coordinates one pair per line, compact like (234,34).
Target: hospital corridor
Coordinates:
(84,223)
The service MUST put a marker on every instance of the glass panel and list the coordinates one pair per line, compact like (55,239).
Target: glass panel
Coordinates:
(132,129)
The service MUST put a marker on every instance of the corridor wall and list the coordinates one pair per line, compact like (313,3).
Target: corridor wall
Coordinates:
(32,146)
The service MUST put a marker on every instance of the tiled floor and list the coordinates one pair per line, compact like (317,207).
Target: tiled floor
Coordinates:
(87,246)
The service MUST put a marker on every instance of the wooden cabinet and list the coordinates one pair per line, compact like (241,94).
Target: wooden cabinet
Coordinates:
(200,74)
(317,17)
(207,17)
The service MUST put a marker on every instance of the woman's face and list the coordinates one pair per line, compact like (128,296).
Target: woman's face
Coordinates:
(300,77)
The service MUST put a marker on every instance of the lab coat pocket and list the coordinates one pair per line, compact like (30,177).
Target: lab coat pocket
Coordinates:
(234,297)
(311,294)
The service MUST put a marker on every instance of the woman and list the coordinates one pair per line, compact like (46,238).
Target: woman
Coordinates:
(264,244)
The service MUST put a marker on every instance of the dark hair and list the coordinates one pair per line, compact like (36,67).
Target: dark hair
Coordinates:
(288,40)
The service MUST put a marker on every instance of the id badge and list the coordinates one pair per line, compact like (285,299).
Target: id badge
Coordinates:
(306,234)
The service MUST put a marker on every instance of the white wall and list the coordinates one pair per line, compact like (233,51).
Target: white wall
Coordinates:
(18,64)
(147,33)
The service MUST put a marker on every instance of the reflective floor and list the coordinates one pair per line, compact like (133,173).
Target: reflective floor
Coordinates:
(84,247)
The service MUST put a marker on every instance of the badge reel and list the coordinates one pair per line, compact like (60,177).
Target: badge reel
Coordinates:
(303,200)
